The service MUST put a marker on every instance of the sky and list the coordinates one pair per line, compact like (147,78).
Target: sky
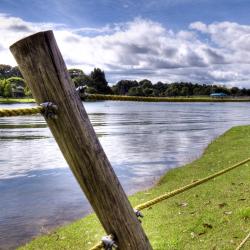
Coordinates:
(202,41)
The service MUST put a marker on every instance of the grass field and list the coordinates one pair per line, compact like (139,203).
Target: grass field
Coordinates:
(215,215)
(16,100)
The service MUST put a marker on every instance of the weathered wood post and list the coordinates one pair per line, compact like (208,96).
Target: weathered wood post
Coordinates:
(44,71)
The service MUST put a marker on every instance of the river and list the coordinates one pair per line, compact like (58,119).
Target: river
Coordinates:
(142,141)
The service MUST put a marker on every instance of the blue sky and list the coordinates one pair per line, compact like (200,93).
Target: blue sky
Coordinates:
(174,14)
(169,40)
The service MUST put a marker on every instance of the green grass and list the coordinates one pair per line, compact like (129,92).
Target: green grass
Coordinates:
(164,99)
(214,215)
(16,100)
(96,97)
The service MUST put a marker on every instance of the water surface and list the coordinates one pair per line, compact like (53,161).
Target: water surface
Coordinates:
(142,141)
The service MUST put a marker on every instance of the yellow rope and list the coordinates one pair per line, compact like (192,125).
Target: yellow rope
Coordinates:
(20,111)
(243,242)
(101,244)
(181,190)
(97,246)
(187,187)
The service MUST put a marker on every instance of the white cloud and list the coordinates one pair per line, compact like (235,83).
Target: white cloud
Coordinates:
(202,27)
(217,52)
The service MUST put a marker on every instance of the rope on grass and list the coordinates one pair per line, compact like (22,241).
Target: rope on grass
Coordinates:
(181,190)
(98,246)
(20,111)
(107,243)
(243,242)
(187,187)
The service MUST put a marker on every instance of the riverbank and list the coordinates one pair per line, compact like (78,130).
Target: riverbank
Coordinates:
(96,97)
(215,214)
(99,97)
(16,100)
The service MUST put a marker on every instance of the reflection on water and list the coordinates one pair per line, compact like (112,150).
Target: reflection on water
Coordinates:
(142,141)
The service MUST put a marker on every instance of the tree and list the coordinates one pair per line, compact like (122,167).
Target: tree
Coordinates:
(122,87)
(184,91)
(136,91)
(15,72)
(83,80)
(5,71)
(91,90)
(99,81)
(145,83)
(148,91)
(75,73)
(235,91)
(172,90)
(16,81)
(7,91)
(2,83)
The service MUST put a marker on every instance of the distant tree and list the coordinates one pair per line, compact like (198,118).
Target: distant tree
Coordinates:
(122,87)
(5,71)
(243,92)
(197,90)
(156,92)
(7,91)
(75,73)
(235,91)
(2,83)
(136,91)
(99,81)
(16,81)
(148,91)
(83,80)
(145,83)
(27,91)
(161,87)
(184,91)
(15,72)
(172,90)
(91,90)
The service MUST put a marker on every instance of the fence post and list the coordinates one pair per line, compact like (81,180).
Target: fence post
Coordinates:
(44,70)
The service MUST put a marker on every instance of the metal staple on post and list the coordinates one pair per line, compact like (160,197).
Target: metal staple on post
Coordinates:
(106,243)
(49,110)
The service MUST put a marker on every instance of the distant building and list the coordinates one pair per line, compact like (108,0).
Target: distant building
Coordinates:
(218,95)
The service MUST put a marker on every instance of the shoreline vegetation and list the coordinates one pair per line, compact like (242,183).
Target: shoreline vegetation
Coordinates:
(99,97)
(215,215)
(12,85)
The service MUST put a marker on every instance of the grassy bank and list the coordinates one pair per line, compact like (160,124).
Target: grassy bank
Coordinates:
(16,100)
(215,215)
(98,97)
(165,99)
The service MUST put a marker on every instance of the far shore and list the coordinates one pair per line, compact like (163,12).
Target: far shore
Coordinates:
(100,97)
(16,100)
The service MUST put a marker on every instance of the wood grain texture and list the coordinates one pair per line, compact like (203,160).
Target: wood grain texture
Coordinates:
(44,70)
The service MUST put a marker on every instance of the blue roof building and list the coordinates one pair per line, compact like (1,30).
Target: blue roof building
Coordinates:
(218,95)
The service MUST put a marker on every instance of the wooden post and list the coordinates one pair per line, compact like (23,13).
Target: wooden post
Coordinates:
(44,70)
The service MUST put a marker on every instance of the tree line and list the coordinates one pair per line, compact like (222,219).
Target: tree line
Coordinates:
(12,84)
